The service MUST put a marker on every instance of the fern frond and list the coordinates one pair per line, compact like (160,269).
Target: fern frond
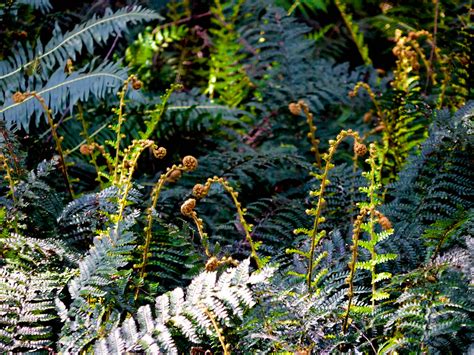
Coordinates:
(151,330)
(63,90)
(27,309)
(43,5)
(100,282)
(62,47)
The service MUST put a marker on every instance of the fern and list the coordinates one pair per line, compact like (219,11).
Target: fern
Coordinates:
(43,5)
(285,67)
(227,76)
(63,90)
(100,283)
(434,312)
(62,47)
(27,309)
(356,35)
(208,301)
(436,184)
(173,258)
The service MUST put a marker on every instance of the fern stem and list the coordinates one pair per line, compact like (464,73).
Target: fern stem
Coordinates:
(89,142)
(149,219)
(453,227)
(158,113)
(352,264)
(225,347)
(9,178)
(324,181)
(11,151)
(311,133)
(128,166)
(372,96)
(202,234)
(372,204)
(243,222)
(202,190)
(361,47)
(118,128)
(57,140)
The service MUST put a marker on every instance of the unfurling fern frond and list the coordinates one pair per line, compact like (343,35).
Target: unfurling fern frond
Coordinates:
(210,303)
(65,46)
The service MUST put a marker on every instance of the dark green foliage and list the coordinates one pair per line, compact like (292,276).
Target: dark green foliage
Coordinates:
(284,64)
(436,184)
(433,307)
(228,242)
(174,258)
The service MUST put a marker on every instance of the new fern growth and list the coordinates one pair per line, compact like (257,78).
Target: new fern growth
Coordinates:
(368,210)
(201,191)
(189,164)
(315,234)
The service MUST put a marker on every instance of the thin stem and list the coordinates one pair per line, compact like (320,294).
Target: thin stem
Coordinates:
(311,135)
(89,141)
(9,177)
(119,125)
(352,265)
(11,151)
(240,212)
(202,234)
(57,141)
(372,96)
(324,181)
(373,237)
(148,236)
(127,168)
(243,222)
(218,330)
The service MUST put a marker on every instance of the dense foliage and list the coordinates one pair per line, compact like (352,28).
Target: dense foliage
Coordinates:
(236,176)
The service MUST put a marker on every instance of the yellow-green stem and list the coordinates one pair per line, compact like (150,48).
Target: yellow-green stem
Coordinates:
(89,141)
(119,125)
(217,329)
(148,229)
(8,177)
(314,232)
(311,135)
(352,265)
(253,250)
(240,212)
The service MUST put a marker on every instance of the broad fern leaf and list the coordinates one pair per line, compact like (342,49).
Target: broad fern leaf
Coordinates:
(43,5)
(63,47)
(63,90)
